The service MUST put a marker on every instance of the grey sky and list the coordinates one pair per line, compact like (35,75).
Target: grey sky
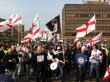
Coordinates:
(47,9)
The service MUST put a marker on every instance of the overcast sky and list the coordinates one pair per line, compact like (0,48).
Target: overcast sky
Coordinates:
(47,9)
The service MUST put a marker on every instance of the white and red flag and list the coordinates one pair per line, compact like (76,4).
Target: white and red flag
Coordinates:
(35,21)
(34,33)
(18,20)
(26,38)
(107,74)
(94,40)
(86,28)
(43,34)
(3,24)
(35,27)
(14,19)
(40,34)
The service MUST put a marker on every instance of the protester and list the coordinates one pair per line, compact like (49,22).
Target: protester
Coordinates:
(34,61)
(10,60)
(77,50)
(3,76)
(61,63)
(95,59)
(82,61)
(40,63)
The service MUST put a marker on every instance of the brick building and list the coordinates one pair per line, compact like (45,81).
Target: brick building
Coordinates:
(74,15)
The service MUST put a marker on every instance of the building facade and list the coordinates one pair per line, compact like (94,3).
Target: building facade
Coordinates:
(74,15)
(15,33)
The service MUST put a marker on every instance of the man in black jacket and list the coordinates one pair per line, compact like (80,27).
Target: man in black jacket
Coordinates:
(39,61)
(2,54)
(10,60)
(3,76)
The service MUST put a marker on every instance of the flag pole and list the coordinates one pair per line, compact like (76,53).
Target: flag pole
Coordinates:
(18,34)
(12,32)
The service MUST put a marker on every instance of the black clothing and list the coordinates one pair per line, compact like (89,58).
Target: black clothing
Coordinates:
(6,78)
(10,65)
(67,57)
(40,65)
(2,54)
(81,73)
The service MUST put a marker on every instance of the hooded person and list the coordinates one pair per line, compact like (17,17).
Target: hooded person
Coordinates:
(3,76)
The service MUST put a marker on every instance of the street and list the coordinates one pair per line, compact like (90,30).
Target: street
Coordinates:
(69,78)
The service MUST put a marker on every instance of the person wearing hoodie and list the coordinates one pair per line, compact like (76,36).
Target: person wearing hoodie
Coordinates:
(3,76)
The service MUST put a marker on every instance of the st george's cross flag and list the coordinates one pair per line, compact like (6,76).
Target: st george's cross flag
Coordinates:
(43,34)
(34,33)
(35,21)
(19,20)
(35,27)
(94,40)
(107,74)
(26,38)
(3,24)
(14,19)
(85,29)
(7,23)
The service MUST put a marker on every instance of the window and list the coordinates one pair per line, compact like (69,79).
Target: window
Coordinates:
(103,28)
(70,34)
(70,28)
(108,15)
(106,34)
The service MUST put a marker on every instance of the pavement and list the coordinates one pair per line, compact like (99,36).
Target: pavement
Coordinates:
(69,78)
(57,80)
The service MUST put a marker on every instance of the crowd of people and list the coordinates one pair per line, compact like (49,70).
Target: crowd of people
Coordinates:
(34,60)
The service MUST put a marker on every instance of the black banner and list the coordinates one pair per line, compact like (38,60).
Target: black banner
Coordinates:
(54,25)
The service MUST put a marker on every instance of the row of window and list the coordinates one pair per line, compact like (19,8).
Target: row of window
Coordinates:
(103,28)
(74,34)
(75,21)
(70,28)
(88,8)
(85,21)
(97,28)
(86,15)
(70,34)
(104,34)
